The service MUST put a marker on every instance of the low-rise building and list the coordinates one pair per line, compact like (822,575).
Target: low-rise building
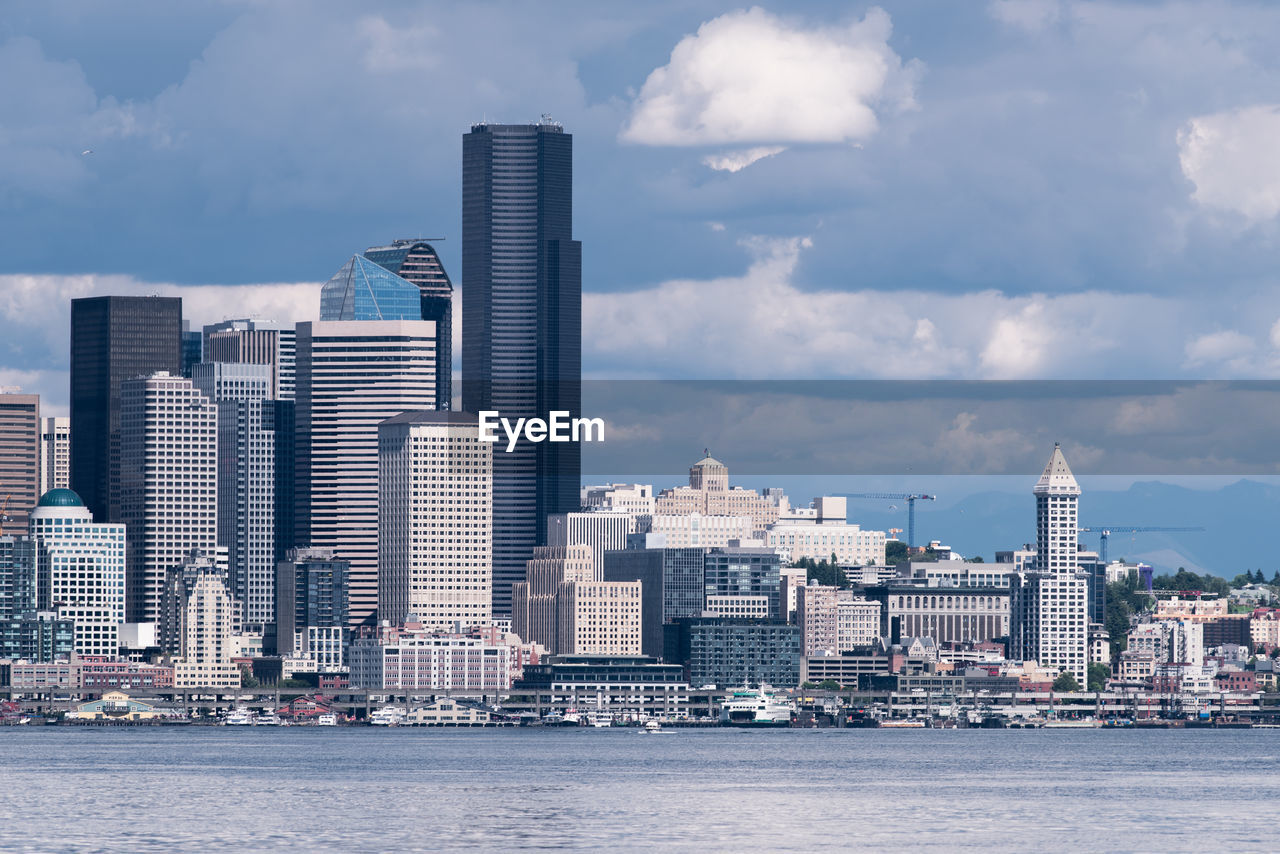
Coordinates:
(99,673)
(413,659)
(447,712)
(114,706)
(728,652)
(619,684)
(44,676)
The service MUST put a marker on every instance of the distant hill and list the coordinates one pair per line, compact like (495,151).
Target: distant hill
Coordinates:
(1237,519)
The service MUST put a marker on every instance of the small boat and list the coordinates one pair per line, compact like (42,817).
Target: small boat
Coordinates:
(269,719)
(328,719)
(600,719)
(902,723)
(387,716)
(655,728)
(1083,723)
(239,717)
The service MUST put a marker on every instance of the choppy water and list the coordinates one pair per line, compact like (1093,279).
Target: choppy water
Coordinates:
(150,789)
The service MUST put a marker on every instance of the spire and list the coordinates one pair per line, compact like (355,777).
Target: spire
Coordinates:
(1057,478)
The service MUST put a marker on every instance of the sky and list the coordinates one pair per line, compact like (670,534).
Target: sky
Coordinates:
(1014,189)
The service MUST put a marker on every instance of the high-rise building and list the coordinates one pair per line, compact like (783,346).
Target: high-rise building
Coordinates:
(168,482)
(536,608)
(311,606)
(19,456)
(522,323)
(113,339)
(1049,606)
(709,494)
(563,607)
(435,523)
(246,480)
(353,375)
(17,591)
(198,621)
(671,584)
(192,348)
(742,573)
(80,570)
(604,531)
(55,453)
(416,261)
(255,342)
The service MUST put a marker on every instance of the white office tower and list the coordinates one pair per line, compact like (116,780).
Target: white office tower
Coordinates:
(352,376)
(249,341)
(198,622)
(435,523)
(246,480)
(168,482)
(55,453)
(604,531)
(1049,605)
(80,570)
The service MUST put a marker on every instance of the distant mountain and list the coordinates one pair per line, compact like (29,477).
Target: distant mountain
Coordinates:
(1237,519)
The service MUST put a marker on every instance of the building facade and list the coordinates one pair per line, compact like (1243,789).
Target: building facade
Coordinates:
(419,660)
(352,376)
(113,339)
(670,582)
(728,652)
(695,530)
(735,571)
(20,430)
(168,482)
(605,531)
(200,621)
(55,453)
(435,520)
(522,322)
(709,494)
(946,614)
(311,602)
(253,342)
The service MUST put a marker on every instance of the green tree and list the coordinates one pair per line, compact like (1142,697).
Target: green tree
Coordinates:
(1065,683)
(829,685)
(808,686)
(895,552)
(1098,674)
(827,572)
(976,559)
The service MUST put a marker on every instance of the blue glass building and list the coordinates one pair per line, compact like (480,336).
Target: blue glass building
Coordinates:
(363,290)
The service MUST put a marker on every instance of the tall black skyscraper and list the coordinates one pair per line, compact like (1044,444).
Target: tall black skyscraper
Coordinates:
(417,261)
(522,323)
(113,339)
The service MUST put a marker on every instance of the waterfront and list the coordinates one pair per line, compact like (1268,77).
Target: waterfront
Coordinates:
(139,789)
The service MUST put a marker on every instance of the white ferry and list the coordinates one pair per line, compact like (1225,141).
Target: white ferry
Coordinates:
(239,717)
(600,718)
(387,716)
(750,708)
(268,719)
(329,719)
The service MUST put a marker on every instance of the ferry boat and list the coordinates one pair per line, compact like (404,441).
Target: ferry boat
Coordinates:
(329,719)
(268,719)
(600,718)
(902,723)
(387,716)
(749,708)
(239,717)
(1067,723)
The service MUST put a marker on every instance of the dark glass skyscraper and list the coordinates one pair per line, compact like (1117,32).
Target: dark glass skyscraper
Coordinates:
(113,339)
(416,261)
(522,323)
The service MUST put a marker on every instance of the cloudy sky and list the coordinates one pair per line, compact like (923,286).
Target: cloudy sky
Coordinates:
(978,190)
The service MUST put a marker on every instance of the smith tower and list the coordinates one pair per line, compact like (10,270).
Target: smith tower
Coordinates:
(522,323)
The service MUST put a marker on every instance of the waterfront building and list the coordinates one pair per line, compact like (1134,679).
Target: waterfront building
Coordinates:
(20,430)
(1169,641)
(670,582)
(416,261)
(732,652)
(246,456)
(709,494)
(168,482)
(113,339)
(55,453)
(857,622)
(435,522)
(103,673)
(522,323)
(826,534)
(352,376)
(416,659)
(38,636)
(80,570)
(624,685)
(17,589)
(604,531)
(311,608)
(114,706)
(817,618)
(740,571)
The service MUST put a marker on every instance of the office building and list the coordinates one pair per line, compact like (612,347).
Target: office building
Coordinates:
(522,323)
(736,571)
(709,494)
(730,653)
(416,261)
(168,482)
(192,348)
(671,585)
(694,530)
(113,339)
(17,592)
(199,621)
(246,459)
(817,618)
(947,614)
(55,453)
(562,606)
(352,376)
(625,685)
(80,570)
(311,607)
(415,659)
(255,342)
(19,457)
(604,531)
(435,523)
(634,498)
(826,533)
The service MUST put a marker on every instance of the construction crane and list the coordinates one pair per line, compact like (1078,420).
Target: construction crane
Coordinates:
(908,497)
(894,532)
(1104,533)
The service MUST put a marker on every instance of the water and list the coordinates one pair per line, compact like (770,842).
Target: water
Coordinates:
(321,789)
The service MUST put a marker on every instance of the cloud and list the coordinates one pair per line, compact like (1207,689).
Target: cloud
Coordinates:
(1233,158)
(736,161)
(1029,15)
(749,76)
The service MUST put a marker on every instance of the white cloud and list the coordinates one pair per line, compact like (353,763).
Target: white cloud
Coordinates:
(736,161)
(1030,15)
(750,76)
(1233,158)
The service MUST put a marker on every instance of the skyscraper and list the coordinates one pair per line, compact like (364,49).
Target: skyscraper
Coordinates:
(246,480)
(19,456)
(55,453)
(522,322)
(416,261)
(112,340)
(255,342)
(435,524)
(353,375)
(1049,617)
(168,482)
